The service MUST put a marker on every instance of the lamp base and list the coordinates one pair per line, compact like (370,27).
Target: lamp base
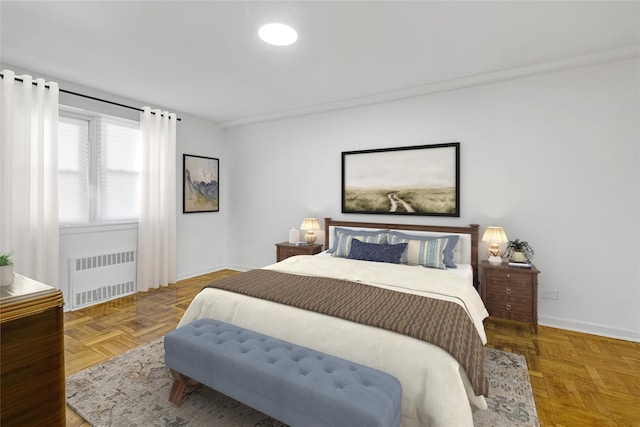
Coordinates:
(310,237)
(495,260)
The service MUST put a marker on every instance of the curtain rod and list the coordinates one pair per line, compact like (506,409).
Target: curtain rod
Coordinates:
(88,96)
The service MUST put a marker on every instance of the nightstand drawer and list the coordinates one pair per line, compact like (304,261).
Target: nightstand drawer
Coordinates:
(502,299)
(510,311)
(510,276)
(286,250)
(292,251)
(499,289)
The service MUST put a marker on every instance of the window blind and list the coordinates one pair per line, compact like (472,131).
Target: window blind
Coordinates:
(73,170)
(118,169)
(99,168)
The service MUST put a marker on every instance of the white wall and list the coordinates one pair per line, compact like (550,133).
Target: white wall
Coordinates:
(553,158)
(201,237)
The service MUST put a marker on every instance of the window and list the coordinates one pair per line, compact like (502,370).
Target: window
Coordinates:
(73,170)
(99,168)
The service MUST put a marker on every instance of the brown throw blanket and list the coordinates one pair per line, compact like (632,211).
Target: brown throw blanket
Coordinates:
(443,323)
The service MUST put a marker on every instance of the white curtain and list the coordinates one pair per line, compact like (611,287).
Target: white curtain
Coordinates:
(29,176)
(157,223)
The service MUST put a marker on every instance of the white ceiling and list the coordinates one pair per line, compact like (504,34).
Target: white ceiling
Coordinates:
(205,58)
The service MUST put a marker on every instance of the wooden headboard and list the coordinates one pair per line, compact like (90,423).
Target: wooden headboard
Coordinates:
(472,229)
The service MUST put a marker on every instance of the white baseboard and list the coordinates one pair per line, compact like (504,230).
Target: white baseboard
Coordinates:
(190,274)
(241,267)
(589,328)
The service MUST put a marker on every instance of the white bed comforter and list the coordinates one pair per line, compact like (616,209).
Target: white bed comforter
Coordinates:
(435,388)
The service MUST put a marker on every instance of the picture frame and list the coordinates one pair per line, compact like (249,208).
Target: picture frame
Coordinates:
(421,180)
(201,184)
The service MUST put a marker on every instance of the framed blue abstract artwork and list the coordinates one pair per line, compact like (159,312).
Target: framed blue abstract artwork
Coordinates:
(201,192)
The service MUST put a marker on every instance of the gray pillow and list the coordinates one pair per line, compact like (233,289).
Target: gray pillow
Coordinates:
(343,236)
(452,241)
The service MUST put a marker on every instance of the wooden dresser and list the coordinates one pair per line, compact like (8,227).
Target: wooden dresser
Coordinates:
(32,383)
(511,292)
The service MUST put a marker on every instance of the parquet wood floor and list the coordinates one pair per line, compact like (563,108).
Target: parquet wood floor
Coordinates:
(578,379)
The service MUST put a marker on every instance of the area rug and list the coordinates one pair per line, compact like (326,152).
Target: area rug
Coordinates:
(132,390)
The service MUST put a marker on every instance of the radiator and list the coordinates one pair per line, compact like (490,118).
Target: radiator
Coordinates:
(100,278)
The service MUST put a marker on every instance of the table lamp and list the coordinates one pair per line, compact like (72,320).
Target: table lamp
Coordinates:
(494,235)
(309,225)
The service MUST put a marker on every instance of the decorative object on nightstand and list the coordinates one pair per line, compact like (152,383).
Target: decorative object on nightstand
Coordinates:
(294,235)
(511,293)
(494,235)
(6,268)
(285,250)
(519,252)
(309,225)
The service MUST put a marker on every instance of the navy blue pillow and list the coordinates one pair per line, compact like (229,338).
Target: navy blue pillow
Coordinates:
(378,252)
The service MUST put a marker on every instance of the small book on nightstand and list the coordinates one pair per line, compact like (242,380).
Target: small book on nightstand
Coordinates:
(519,264)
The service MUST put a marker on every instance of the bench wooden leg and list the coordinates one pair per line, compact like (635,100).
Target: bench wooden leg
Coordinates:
(180,382)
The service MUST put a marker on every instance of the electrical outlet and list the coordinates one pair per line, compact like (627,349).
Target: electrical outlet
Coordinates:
(554,295)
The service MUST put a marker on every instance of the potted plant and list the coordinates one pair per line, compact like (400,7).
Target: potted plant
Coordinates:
(519,251)
(6,268)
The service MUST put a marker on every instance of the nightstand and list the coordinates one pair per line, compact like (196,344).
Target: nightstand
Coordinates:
(285,250)
(511,292)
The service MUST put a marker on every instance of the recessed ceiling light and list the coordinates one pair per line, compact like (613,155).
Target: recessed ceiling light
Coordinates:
(278,34)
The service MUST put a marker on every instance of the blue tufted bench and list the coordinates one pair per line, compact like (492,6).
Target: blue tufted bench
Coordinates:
(296,385)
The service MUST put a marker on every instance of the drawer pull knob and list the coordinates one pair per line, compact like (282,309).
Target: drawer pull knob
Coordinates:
(508,307)
(508,275)
(508,291)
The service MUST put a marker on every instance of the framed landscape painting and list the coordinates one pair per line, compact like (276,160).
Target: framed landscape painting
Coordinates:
(418,180)
(201,184)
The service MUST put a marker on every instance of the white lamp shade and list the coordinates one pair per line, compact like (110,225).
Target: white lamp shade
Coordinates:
(494,235)
(309,224)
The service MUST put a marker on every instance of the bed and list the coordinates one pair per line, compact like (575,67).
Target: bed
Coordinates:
(439,389)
